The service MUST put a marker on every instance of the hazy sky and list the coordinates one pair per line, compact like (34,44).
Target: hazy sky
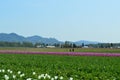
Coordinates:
(72,20)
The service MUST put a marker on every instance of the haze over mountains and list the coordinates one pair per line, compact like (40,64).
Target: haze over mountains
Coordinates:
(13,37)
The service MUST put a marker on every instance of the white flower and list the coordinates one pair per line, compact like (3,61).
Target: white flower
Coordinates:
(0,70)
(56,77)
(61,78)
(42,75)
(3,70)
(6,77)
(22,75)
(34,73)
(19,72)
(71,78)
(29,79)
(52,78)
(11,72)
(39,77)
(14,76)
(47,76)
(8,70)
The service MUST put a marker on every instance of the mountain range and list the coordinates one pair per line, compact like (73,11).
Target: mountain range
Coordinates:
(13,37)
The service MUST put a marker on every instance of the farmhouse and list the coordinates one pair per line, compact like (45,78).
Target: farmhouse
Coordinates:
(50,46)
(85,47)
(40,46)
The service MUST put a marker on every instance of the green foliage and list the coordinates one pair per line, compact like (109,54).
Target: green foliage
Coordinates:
(16,44)
(78,67)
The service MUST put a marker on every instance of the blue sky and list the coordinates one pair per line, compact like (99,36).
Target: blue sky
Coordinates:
(72,20)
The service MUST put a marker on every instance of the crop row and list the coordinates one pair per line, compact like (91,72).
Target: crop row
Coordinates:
(62,53)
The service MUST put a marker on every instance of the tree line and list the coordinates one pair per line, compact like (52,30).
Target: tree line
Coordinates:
(66,44)
(16,44)
(29,44)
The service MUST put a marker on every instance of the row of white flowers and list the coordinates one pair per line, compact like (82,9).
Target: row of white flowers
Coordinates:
(8,75)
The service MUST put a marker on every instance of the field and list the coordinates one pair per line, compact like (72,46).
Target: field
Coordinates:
(100,50)
(58,67)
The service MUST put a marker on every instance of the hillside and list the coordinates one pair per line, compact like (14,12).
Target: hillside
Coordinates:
(13,37)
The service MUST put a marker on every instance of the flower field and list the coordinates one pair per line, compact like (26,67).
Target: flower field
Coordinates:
(62,53)
(90,66)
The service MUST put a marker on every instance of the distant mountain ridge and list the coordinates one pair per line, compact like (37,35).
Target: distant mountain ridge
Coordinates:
(86,42)
(13,37)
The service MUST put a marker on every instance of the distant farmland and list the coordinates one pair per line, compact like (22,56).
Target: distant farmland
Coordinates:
(99,50)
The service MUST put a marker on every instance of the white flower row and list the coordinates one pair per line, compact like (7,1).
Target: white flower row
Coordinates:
(22,75)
